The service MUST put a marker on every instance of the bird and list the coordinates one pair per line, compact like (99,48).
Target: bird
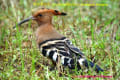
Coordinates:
(56,46)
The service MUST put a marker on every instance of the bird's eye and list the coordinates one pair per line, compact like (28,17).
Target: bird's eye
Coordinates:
(40,15)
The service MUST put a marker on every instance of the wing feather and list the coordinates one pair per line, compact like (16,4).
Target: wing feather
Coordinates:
(74,49)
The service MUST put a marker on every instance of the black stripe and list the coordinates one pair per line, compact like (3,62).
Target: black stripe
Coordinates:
(51,54)
(78,66)
(60,44)
(48,46)
(56,11)
(64,53)
(72,63)
(66,61)
(62,49)
(63,13)
(44,52)
(51,40)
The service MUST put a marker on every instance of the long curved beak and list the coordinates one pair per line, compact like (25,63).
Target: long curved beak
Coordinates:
(23,21)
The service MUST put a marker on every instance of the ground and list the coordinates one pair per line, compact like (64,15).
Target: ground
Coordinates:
(95,30)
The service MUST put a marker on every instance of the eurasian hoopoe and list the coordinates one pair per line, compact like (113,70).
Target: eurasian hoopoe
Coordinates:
(54,45)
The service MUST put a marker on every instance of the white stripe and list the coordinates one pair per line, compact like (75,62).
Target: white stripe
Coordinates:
(53,42)
(81,61)
(62,59)
(41,49)
(54,56)
(48,52)
(69,61)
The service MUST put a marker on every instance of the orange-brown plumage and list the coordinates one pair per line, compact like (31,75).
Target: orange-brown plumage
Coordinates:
(46,30)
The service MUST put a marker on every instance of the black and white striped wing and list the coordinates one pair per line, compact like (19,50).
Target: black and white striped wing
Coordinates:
(68,54)
(57,49)
(74,49)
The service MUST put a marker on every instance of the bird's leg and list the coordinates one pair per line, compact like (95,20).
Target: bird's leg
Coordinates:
(60,68)
(53,66)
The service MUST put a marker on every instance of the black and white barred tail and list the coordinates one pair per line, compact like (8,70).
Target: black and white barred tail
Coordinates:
(69,55)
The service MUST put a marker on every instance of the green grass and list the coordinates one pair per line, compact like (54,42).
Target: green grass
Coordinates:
(95,30)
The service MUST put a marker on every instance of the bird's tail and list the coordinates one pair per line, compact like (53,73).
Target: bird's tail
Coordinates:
(96,67)
(80,63)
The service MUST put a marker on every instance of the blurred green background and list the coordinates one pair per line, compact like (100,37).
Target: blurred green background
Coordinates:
(93,29)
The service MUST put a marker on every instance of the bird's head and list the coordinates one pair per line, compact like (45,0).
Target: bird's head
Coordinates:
(42,16)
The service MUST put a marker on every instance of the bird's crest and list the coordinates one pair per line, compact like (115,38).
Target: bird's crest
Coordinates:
(46,10)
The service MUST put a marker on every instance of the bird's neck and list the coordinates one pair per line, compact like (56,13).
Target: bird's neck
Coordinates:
(44,23)
(46,32)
